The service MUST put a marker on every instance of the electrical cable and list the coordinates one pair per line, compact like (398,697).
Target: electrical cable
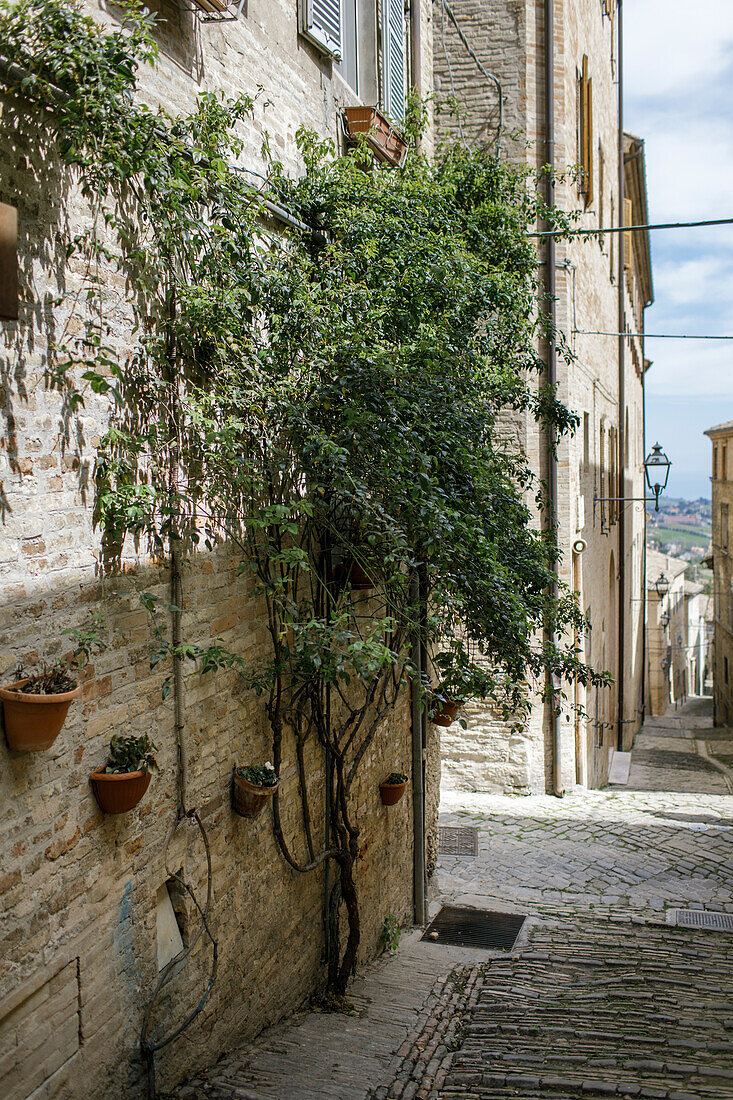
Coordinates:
(445,9)
(626,228)
(651,335)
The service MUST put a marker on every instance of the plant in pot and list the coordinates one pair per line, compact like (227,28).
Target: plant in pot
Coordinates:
(122,782)
(392,788)
(35,705)
(252,786)
(460,680)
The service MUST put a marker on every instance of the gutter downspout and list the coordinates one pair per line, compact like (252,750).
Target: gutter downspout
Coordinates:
(416,54)
(643,571)
(551,348)
(621,390)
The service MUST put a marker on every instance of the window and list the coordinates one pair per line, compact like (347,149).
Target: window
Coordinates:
(715,460)
(585,132)
(320,21)
(586,444)
(724,526)
(724,463)
(628,237)
(601,179)
(602,472)
(394,55)
(725,666)
(346,30)
(349,66)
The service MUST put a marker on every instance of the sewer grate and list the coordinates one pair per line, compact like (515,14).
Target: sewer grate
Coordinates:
(701,918)
(474,928)
(457,840)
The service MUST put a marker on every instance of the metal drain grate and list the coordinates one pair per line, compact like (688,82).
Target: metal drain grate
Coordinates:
(457,840)
(474,928)
(701,918)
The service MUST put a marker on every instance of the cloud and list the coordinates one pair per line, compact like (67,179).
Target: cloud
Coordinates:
(673,45)
(687,369)
(693,295)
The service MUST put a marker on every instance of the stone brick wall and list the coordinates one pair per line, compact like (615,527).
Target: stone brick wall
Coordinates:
(508,37)
(78,959)
(722,513)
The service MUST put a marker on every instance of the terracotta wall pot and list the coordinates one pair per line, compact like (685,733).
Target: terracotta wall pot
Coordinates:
(247,799)
(391,793)
(33,722)
(445,712)
(116,794)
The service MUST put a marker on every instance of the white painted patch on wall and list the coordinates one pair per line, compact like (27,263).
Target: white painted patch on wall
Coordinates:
(170,941)
(618,771)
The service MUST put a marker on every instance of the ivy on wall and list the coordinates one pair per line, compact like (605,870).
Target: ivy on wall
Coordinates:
(324,401)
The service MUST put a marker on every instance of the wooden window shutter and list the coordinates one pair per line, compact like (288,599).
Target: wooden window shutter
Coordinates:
(586,132)
(394,80)
(628,237)
(8,263)
(589,127)
(320,21)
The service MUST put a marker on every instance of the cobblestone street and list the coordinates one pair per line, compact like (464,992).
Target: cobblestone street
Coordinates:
(602,994)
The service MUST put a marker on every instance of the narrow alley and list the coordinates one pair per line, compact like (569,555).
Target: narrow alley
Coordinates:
(604,993)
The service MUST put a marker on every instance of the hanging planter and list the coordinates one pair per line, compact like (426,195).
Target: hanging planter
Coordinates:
(121,784)
(33,720)
(387,144)
(392,788)
(118,794)
(445,710)
(252,788)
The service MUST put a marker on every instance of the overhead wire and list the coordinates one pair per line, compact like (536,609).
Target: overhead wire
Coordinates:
(445,9)
(626,228)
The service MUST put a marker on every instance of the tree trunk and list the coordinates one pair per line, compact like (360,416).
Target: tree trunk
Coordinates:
(348,892)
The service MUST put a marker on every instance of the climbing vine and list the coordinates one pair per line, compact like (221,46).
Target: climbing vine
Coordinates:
(324,398)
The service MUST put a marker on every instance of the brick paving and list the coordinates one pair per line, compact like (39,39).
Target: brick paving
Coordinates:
(600,996)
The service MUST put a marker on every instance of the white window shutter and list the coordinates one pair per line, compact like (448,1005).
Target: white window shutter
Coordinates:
(320,21)
(393,58)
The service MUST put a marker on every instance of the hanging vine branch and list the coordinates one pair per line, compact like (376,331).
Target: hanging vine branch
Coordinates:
(324,403)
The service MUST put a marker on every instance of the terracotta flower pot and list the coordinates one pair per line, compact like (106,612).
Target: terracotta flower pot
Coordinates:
(247,799)
(391,793)
(117,794)
(445,712)
(387,143)
(33,722)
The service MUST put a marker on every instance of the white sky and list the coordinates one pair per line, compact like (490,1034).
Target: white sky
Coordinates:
(678,73)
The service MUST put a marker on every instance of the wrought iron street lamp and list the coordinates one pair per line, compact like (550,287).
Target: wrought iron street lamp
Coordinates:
(662,585)
(656,468)
(656,471)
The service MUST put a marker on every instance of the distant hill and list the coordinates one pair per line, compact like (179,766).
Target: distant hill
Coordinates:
(681,528)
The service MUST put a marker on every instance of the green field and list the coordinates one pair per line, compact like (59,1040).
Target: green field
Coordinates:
(685,535)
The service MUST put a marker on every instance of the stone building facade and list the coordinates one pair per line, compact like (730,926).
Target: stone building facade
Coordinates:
(675,606)
(721,437)
(600,291)
(83,895)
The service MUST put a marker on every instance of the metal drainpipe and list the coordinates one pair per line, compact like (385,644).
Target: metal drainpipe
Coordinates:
(415,45)
(416,53)
(551,348)
(418,791)
(621,391)
(643,560)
